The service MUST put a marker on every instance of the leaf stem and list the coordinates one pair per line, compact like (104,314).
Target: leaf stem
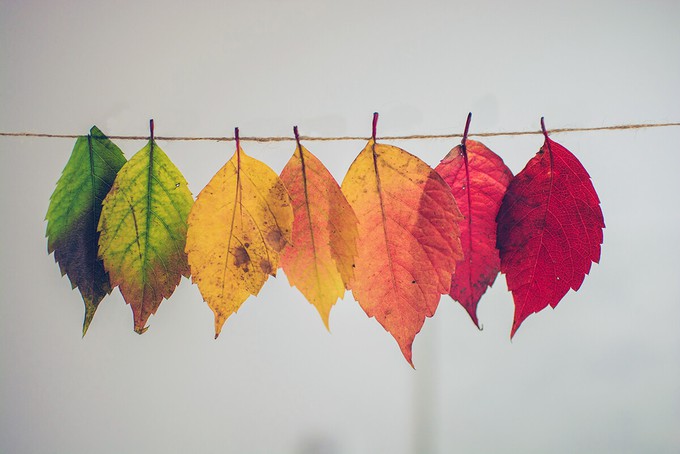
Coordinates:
(238,150)
(297,136)
(375,125)
(151,130)
(465,133)
(545,133)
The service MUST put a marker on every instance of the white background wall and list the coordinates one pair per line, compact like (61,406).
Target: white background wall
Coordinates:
(601,373)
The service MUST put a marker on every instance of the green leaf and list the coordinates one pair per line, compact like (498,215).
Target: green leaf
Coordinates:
(143,231)
(73,215)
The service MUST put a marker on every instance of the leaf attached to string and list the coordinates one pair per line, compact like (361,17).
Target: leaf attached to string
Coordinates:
(478,179)
(143,231)
(549,230)
(409,239)
(319,260)
(73,215)
(238,227)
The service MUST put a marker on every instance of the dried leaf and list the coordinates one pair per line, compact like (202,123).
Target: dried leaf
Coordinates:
(73,214)
(238,226)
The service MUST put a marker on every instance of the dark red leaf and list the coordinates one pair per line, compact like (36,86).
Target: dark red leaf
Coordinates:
(549,230)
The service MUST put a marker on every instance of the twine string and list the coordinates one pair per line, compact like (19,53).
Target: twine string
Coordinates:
(346,138)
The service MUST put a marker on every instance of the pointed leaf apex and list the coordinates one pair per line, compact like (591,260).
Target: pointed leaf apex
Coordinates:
(96,132)
(325,317)
(219,323)
(407,351)
(89,314)
(141,331)
(515,327)
(472,312)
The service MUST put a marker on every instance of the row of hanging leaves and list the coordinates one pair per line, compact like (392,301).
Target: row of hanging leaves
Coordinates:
(397,233)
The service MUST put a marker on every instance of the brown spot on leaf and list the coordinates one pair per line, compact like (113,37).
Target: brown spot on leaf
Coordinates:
(276,240)
(241,256)
(265,266)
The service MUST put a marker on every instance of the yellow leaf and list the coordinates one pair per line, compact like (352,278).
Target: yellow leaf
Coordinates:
(238,226)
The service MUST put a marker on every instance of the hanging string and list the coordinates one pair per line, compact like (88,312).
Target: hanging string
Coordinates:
(348,138)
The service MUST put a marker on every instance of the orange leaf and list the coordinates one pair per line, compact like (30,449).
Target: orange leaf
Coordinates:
(409,239)
(238,226)
(319,261)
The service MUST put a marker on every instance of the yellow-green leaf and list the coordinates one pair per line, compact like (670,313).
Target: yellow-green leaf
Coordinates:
(239,225)
(143,231)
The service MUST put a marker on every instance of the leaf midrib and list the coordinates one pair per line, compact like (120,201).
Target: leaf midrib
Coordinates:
(149,187)
(309,221)
(382,214)
(93,202)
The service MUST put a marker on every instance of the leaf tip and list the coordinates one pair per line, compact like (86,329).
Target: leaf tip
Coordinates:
(141,330)
(219,322)
(96,132)
(89,314)
(325,316)
(515,327)
(473,315)
(407,351)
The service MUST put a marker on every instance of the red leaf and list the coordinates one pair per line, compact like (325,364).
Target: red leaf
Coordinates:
(478,179)
(549,230)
